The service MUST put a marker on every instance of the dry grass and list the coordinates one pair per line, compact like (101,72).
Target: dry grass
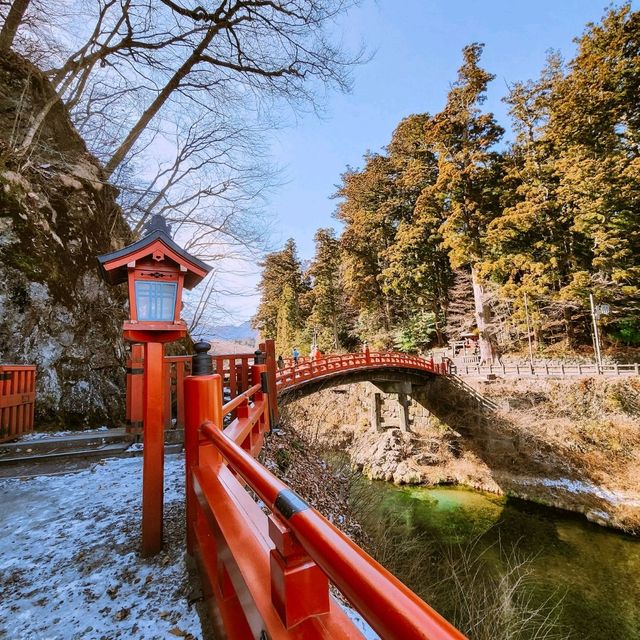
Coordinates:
(460,580)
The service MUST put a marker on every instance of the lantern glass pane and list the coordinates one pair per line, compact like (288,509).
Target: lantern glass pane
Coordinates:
(156,301)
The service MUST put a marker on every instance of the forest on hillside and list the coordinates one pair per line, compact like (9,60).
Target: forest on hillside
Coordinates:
(453,228)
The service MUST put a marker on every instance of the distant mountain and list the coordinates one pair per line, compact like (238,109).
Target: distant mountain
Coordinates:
(242,332)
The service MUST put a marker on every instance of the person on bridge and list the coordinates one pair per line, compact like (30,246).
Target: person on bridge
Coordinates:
(280,362)
(296,356)
(318,354)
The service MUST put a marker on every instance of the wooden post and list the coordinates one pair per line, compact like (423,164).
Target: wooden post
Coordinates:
(374,411)
(203,402)
(180,367)
(168,372)
(135,389)
(153,453)
(596,335)
(299,588)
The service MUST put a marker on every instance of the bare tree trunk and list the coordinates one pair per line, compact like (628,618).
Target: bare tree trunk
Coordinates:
(483,317)
(11,24)
(568,327)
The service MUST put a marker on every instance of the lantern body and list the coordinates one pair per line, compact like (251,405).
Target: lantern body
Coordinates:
(155,301)
(156,270)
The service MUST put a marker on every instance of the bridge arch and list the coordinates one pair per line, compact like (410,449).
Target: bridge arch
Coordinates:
(382,377)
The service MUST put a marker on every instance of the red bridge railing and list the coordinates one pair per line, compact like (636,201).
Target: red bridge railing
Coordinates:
(267,559)
(234,368)
(17,400)
(308,368)
(235,371)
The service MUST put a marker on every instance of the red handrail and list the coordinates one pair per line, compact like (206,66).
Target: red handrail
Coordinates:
(308,369)
(271,573)
(391,608)
(240,399)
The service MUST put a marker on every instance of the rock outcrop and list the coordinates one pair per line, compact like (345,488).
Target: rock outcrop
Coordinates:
(57,213)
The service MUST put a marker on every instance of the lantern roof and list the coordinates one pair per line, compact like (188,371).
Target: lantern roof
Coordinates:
(114,265)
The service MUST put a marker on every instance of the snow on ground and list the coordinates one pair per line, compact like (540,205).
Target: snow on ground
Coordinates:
(580,486)
(69,562)
(361,624)
(44,435)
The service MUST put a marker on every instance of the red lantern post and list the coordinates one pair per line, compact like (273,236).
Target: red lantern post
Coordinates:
(156,270)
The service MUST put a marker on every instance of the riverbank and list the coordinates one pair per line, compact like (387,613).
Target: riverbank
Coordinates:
(573,445)
(460,551)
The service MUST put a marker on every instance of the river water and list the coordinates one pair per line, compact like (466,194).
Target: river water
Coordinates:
(587,575)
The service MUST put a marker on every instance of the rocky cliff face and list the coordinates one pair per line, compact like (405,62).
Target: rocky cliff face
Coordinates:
(57,213)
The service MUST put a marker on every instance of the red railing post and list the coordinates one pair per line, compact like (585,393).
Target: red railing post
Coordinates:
(167,372)
(180,367)
(153,453)
(203,402)
(269,350)
(299,588)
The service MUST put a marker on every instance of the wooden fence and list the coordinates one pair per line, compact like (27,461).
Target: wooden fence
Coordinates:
(549,370)
(234,369)
(17,400)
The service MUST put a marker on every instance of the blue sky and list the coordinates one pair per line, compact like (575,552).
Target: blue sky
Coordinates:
(417,49)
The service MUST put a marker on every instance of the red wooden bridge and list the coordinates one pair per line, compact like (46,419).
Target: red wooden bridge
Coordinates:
(234,370)
(313,370)
(267,564)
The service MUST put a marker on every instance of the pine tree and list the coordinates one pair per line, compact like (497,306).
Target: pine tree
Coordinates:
(418,271)
(530,246)
(595,123)
(369,213)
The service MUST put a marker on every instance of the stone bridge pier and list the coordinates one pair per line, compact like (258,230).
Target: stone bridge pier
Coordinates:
(390,405)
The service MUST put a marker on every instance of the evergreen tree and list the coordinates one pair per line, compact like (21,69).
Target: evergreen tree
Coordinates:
(530,246)
(328,317)
(368,211)
(553,218)
(468,176)
(281,314)
(595,123)
(418,270)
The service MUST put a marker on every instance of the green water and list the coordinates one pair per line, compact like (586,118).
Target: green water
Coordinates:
(591,574)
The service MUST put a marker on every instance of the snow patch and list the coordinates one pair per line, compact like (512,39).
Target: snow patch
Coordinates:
(576,486)
(44,435)
(69,562)
(360,623)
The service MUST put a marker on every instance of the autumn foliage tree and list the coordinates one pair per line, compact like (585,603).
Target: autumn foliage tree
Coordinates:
(447,230)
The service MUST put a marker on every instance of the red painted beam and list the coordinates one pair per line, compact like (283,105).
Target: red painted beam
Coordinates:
(390,607)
